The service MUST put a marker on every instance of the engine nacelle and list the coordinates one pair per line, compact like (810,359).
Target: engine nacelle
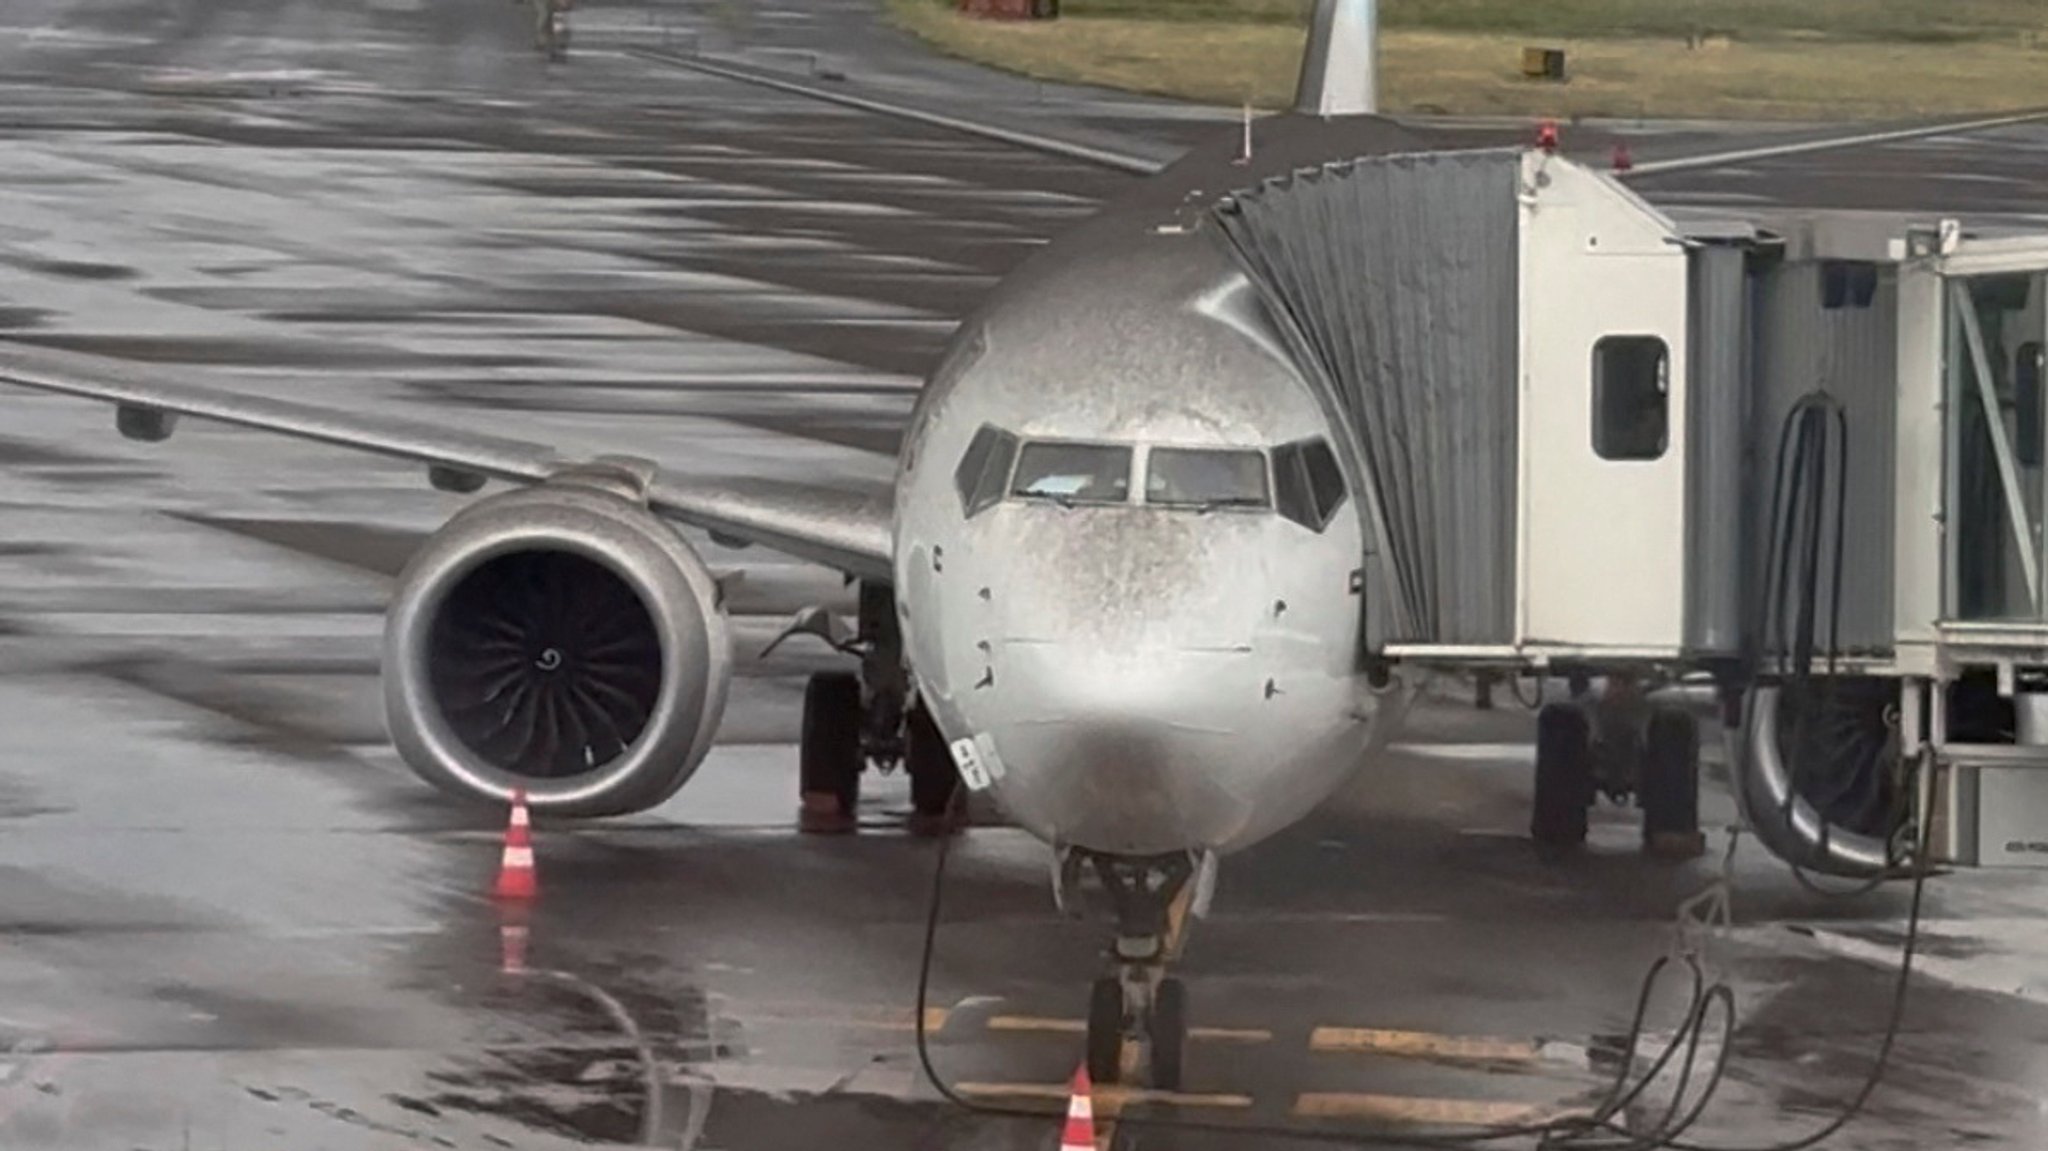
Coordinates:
(561,639)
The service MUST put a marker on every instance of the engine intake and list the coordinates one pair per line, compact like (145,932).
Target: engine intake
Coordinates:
(560,639)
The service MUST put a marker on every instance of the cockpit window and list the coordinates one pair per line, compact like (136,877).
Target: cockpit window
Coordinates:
(984,469)
(1308,486)
(1074,473)
(1206,478)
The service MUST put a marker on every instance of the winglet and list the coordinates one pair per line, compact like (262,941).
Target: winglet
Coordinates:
(1340,68)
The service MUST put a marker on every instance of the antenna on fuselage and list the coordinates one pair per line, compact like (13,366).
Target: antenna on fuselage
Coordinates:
(1340,68)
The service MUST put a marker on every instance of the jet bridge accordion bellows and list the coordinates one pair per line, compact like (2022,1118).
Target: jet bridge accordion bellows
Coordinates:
(1395,281)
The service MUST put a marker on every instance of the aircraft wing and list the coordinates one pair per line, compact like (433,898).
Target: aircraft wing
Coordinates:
(847,530)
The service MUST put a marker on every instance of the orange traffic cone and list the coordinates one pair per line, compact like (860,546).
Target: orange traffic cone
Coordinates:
(516,879)
(1080,1132)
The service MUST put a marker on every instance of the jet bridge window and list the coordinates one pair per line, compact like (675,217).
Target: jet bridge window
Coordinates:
(1631,397)
(1073,473)
(984,470)
(1206,478)
(1308,487)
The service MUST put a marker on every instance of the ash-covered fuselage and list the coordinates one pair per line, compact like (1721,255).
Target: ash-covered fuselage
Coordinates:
(1127,558)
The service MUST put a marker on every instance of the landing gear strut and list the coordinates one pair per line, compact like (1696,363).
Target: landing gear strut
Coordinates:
(1137,1003)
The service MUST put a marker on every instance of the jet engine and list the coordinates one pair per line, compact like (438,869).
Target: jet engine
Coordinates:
(561,639)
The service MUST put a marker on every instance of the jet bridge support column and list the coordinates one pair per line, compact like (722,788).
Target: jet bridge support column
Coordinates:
(1717,479)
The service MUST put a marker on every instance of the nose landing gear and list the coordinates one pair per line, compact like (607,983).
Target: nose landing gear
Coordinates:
(1138,1006)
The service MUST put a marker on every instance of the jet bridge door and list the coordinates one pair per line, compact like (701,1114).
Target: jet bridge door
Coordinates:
(1604,359)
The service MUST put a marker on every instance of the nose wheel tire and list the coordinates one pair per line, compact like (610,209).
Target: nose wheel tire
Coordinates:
(1169,1027)
(829,756)
(1154,1014)
(1106,1031)
(1564,778)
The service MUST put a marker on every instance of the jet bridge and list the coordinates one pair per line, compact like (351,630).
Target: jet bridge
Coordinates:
(1603,436)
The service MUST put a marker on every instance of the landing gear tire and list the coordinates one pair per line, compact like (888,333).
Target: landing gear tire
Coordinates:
(1106,1030)
(933,780)
(1169,1033)
(1564,779)
(1669,788)
(829,757)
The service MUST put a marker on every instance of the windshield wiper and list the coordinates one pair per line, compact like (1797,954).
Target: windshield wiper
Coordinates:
(1207,506)
(1061,498)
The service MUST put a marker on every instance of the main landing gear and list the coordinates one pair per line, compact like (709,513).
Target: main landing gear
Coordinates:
(853,720)
(1622,746)
(1137,1004)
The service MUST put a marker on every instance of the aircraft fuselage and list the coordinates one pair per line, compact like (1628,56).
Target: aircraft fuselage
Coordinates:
(1127,565)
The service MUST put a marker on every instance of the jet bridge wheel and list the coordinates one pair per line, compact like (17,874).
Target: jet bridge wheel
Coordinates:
(829,756)
(1564,777)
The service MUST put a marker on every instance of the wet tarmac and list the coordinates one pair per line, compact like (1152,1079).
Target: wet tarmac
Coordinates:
(230,919)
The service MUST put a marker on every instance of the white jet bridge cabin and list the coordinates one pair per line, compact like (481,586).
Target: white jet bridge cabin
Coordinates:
(1611,426)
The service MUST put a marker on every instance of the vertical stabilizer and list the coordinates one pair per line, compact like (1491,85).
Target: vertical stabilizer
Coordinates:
(1340,69)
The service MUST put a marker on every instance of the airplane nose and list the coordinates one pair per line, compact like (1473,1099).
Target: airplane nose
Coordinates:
(1134,755)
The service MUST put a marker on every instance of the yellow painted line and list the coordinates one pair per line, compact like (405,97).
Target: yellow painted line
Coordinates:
(1231,1034)
(1418,1110)
(934,1020)
(1108,1099)
(1423,1045)
(1080,1027)
(1037,1023)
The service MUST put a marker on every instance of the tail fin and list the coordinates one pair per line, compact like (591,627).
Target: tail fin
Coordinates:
(1340,69)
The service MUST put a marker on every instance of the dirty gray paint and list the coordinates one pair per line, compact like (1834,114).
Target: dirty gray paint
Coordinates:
(1719,480)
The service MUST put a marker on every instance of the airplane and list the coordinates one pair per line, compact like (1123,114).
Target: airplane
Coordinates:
(1118,584)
